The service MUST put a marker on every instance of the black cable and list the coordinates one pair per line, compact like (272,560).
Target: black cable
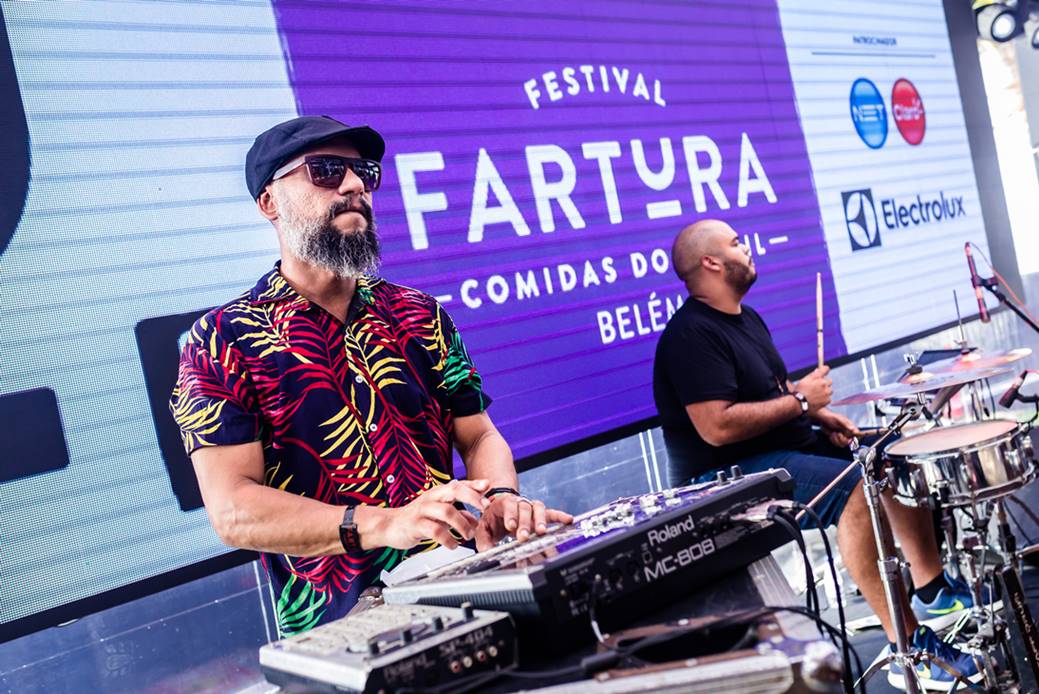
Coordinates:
(613,655)
(775,514)
(593,594)
(845,644)
(1020,528)
(832,632)
(811,596)
(840,641)
(749,638)
(599,661)
(1028,512)
(991,397)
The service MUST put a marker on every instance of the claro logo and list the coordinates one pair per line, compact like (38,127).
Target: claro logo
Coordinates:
(907,108)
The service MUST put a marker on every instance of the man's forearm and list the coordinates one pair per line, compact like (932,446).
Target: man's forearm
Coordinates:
(490,458)
(745,420)
(265,519)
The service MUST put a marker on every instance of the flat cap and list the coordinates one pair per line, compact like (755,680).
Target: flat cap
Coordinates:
(275,146)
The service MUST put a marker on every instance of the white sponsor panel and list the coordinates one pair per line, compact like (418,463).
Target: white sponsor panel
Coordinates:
(896,214)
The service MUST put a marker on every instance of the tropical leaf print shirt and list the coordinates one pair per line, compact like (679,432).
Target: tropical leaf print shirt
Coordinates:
(354,413)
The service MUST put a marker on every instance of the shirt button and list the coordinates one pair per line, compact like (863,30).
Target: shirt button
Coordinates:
(373,427)
(390,479)
(358,378)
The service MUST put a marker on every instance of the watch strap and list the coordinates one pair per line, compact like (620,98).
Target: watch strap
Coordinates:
(348,534)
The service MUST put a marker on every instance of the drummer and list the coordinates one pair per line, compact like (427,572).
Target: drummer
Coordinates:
(724,398)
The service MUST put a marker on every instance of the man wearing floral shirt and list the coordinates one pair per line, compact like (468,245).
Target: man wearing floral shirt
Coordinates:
(320,408)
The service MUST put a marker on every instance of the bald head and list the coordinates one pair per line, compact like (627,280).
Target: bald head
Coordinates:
(705,237)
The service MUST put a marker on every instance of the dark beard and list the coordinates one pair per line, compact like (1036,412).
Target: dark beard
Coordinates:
(740,277)
(345,254)
(359,250)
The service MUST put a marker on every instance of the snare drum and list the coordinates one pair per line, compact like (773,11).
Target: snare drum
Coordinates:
(962,464)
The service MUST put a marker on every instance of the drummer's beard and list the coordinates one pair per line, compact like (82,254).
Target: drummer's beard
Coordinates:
(740,276)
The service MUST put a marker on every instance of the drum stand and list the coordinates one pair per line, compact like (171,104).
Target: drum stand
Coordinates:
(992,630)
(890,565)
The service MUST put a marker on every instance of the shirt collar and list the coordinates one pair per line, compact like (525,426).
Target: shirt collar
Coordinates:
(273,287)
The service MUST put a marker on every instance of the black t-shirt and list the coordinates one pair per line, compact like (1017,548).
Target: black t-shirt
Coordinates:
(704,354)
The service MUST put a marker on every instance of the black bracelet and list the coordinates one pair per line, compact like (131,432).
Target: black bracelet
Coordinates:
(495,491)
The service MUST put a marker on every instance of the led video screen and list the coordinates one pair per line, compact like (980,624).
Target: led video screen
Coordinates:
(541,157)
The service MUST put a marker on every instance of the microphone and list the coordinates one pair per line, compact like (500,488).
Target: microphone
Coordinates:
(1008,398)
(975,281)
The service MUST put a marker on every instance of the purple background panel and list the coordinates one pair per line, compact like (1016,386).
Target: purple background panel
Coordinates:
(448,78)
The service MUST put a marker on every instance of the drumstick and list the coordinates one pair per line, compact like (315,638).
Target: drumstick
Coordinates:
(819,314)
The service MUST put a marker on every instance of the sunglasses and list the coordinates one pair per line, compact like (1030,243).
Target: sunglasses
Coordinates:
(328,170)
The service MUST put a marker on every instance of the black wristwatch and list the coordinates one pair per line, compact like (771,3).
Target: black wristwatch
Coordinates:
(801,399)
(348,534)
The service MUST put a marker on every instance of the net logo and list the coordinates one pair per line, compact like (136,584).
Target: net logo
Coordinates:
(860,214)
(860,217)
(907,108)
(868,113)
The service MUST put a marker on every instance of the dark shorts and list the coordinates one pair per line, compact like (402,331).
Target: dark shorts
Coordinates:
(811,471)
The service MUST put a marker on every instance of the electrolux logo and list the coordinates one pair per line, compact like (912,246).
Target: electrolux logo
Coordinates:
(860,214)
(868,113)
(919,211)
(860,217)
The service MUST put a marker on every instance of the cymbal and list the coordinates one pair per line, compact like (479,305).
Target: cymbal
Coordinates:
(922,383)
(977,360)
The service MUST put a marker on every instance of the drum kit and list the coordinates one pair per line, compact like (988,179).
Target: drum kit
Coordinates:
(966,471)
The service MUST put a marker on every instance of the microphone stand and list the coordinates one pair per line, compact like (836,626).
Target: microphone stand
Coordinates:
(992,285)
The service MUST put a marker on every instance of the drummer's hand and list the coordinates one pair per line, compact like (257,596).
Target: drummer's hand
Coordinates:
(839,429)
(838,439)
(817,389)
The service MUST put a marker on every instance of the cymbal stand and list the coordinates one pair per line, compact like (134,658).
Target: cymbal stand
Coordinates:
(889,563)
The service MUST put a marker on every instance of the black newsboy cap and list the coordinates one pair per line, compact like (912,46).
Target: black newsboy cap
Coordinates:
(274,147)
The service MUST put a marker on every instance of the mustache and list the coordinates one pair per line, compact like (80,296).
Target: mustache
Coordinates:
(351,204)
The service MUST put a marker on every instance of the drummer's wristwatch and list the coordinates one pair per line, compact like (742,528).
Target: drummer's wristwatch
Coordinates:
(801,399)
